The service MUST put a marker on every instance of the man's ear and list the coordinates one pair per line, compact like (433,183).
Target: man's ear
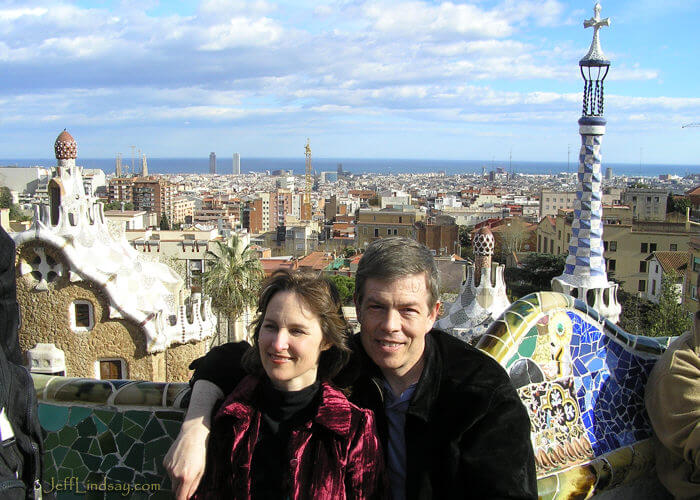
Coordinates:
(356,300)
(435,311)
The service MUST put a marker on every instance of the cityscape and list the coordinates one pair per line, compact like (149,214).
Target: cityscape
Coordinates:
(575,274)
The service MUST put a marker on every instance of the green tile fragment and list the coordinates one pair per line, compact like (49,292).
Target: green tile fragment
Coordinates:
(82,444)
(59,453)
(121,474)
(124,442)
(172,428)
(108,462)
(52,417)
(87,428)
(94,495)
(92,462)
(158,448)
(101,427)
(115,425)
(107,443)
(134,458)
(78,414)
(81,473)
(95,447)
(152,431)
(67,436)
(63,474)
(177,416)
(94,477)
(104,415)
(72,460)
(132,430)
(51,441)
(527,346)
(139,417)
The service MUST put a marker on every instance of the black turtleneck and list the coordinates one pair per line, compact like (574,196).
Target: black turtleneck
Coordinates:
(281,411)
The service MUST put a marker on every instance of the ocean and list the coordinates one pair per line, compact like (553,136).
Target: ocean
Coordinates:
(384,166)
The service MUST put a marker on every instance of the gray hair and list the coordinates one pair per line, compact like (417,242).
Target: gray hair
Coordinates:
(395,257)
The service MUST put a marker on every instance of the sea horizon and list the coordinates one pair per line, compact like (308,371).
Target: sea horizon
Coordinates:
(386,166)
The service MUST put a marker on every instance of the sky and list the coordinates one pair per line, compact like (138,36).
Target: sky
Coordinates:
(479,80)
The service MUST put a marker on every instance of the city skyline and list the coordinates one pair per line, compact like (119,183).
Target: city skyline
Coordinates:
(364,79)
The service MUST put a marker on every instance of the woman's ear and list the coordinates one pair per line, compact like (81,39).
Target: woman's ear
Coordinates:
(325,346)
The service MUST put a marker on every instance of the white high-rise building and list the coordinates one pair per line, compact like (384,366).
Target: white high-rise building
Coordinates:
(212,163)
(236,164)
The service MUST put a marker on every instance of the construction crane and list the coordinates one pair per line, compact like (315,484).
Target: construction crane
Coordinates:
(694,124)
(307,190)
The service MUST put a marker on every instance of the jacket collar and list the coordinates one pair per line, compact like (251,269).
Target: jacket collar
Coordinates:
(428,385)
(334,411)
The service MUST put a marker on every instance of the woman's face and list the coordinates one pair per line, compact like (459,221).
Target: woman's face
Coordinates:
(290,342)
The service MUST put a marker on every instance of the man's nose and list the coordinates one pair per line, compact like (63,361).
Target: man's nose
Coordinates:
(392,321)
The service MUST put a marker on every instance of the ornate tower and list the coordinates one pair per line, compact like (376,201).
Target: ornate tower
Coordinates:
(584,274)
(480,299)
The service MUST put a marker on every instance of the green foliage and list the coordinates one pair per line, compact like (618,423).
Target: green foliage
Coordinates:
(639,185)
(349,252)
(670,318)
(637,312)
(234,279)
(678,204)
(164,222)
(464,236)
(345,286)
(117,205)
(534,274)
(5,197)
(373,202)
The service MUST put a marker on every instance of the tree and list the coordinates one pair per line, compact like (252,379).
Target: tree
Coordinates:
(534,274)
(349,252)
(5,197)
(671,318)
(514,236)
(345,286)
(164,222)
(677,204)
(232,281)
(636,311)
(117,205)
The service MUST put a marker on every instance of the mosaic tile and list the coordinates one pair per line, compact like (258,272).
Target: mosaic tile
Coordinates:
(115,425)
(175,392)
(121,474)
(153,430)
(78,414)
(124,442)
(134,458)
(177,416)
(108,462)
(157,448)
(141,393)
(104,416)
(67,436)
(138,417)
(87,428)
(85,390)
(52,417)
(107,443)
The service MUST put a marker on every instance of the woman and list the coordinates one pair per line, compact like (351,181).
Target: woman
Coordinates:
(285,432)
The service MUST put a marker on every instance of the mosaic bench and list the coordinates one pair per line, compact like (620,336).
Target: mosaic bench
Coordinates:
(582,380)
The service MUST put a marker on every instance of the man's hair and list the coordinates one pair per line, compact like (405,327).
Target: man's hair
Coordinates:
(322,298)
(392,258)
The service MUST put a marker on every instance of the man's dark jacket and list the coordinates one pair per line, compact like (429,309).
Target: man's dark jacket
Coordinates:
(467,432)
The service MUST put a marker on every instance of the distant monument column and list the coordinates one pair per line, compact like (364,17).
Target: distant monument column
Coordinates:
(584,274)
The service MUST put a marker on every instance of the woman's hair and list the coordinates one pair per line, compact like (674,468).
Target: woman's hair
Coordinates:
(322,298)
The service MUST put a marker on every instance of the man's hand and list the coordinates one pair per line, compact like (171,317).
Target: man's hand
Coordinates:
(186,458)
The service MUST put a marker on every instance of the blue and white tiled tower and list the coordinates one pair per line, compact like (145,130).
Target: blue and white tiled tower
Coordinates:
(584,274)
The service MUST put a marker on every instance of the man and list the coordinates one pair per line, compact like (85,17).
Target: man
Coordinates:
(673,402)
(451,423)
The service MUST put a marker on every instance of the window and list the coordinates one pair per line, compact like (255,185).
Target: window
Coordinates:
(696,264)
(611,264)
(613,246)
(388,232)
(656,268)
(376,232)
(396,231)
(643,266)
(693,293)
(653,287)
(82,317)
(551,246)
(674,247)
(645,248)
(648,199)
(110,369)
(652,247)
(642,285)
(400,219)
(539,242)
(559,234)
(605,246)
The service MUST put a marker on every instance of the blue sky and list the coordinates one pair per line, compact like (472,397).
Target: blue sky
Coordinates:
(360,78)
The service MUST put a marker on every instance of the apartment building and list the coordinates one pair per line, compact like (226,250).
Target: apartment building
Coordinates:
(552,201)
(647,204)
(441,236)
(627,242)
(373,224)
(693,272)
(663,264)
(182,210)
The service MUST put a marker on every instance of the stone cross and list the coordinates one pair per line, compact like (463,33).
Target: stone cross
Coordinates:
(595,52)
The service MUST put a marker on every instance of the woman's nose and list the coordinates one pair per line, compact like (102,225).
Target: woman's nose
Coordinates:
(281,342)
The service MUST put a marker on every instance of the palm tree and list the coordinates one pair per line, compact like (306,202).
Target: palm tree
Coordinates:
(232,281)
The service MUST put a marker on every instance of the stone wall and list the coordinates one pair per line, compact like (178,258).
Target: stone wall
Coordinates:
(46,319)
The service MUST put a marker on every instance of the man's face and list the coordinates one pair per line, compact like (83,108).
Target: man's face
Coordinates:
(394,318)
